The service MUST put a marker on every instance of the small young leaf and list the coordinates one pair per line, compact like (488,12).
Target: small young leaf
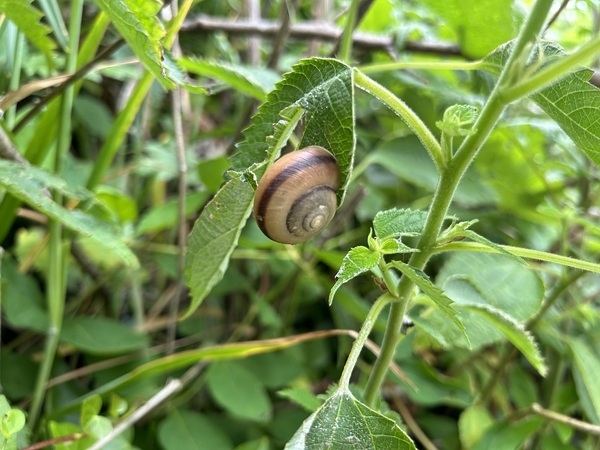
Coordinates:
(458,120)
(358,260)
(443,302)
(344,422)
(89,409)
(12,422)
(392,246)
(398,222)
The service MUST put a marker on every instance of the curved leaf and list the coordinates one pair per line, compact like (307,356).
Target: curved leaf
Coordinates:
(317,90)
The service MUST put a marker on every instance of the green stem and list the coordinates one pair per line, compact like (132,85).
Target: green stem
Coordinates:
(56,280)
(552,72)
(404,112)
(523,253)
(423,65)
(362,337)
(449,178)
(345,53)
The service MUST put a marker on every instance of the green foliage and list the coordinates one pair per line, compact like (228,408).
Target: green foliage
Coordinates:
(344,422)
(461,267)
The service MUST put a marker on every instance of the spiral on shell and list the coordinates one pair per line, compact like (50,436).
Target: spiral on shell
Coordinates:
(296,197)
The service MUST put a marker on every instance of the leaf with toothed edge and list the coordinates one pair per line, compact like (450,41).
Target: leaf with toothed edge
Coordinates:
(319,93)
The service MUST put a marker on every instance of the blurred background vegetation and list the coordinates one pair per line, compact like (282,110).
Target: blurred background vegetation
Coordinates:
(530,187)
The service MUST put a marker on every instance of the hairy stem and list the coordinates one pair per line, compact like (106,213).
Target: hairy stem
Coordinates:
(449,178)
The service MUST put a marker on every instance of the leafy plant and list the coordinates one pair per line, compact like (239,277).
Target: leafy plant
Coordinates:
(468,196)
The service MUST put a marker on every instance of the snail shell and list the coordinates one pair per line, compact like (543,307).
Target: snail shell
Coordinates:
(296,197)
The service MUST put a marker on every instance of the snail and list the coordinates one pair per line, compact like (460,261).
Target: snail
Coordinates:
(296,197)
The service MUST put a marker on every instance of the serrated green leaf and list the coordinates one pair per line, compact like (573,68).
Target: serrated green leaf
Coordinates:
(358,260)
(441,300)
(136,21)
(392,246)
(29,184)
(326,123)
(324,89)
(344,422)
(252,81)
(27,19)
(514,332)
(213,238)
(399,222)
(572,101)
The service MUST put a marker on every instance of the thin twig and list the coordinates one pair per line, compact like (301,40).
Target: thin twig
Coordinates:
(315,30)
(254,42)
(562,6)
(61,87)
(287,7)
(578,424)
(412,424)
(181,194)
(8,150)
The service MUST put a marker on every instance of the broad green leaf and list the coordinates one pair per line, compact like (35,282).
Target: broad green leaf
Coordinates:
(190,430)
(18,373)
(437,296)
(498,280)
(137,22)
(301,397)
(508,434)
(344,422)
(572,101)
(165,216)
(479,26)
(473,423)
(398,222)
(252,81)
(98,427)
(99,335)
(239,391)
(587,366)
(22,301)
(407,159)
(29,184)
(27,18)
(514,332)
(358,260)
(326,123)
